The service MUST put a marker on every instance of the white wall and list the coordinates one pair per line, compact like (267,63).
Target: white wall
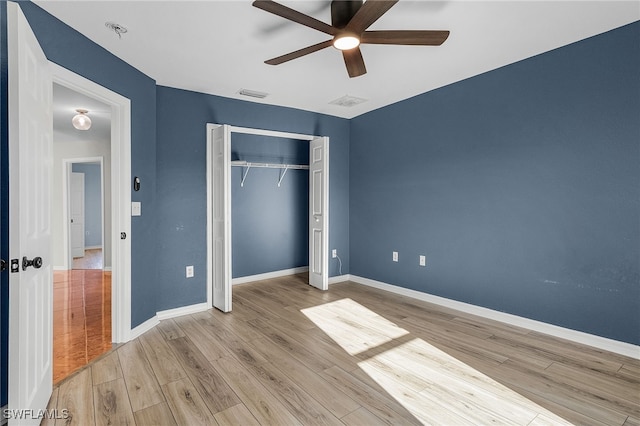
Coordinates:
(68,147)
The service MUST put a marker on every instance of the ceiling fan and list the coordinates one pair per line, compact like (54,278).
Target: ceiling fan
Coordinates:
(349,23)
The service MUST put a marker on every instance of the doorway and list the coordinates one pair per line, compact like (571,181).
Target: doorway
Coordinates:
(81,217)
(120,197)
(87,214)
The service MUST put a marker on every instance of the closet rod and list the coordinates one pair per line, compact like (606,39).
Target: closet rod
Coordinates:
(248,165)
(269,165)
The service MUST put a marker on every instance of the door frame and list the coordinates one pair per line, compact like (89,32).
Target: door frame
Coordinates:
(120,194)
(227,200)
(67,164)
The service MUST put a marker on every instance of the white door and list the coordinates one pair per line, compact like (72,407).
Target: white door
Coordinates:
(76,213)
(220,193)
(319,213)
(30,185)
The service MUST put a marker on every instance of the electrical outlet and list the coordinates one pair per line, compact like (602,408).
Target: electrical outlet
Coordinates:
(395,256)
(334,253)
(423,260)
(189,271)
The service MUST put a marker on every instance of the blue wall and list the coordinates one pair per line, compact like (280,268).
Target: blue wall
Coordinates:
(92,202)
(519,185)
(68,48)
(181,165)
(270,224)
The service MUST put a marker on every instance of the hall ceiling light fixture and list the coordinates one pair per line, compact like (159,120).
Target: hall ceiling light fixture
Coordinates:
(81,121)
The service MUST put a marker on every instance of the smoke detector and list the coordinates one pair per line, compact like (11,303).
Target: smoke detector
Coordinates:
(116,28)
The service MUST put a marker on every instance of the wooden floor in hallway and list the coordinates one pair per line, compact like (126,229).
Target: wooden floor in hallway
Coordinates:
(289,354)
(92,259)
(81,319)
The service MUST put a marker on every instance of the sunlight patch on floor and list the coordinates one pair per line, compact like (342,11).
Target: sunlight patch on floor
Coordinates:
(355,328)
(431,384)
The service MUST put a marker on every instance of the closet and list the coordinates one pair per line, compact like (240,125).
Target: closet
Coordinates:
(267,201)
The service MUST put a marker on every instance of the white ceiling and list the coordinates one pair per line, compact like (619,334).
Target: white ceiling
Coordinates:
(219,47)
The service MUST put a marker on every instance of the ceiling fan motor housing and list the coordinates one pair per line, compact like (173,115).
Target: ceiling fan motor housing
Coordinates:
(343,10)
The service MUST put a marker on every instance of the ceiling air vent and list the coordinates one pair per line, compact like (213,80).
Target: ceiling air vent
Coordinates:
(348,101)
(252,93)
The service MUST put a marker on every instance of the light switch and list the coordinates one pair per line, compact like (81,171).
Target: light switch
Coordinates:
(136,208)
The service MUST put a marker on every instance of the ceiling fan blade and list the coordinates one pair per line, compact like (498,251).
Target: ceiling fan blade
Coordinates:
(354,62)
(298,53)
(369,13)
(295,16)
(414,38)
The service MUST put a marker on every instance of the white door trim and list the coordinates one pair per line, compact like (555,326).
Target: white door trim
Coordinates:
(120,194)
(66,231)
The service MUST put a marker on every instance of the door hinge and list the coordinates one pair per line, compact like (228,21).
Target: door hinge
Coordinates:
(3,265)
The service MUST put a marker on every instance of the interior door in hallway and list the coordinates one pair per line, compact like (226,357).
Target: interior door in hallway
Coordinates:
(76,213)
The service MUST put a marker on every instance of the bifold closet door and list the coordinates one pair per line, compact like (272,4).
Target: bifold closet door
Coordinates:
(319,213)
(220,151)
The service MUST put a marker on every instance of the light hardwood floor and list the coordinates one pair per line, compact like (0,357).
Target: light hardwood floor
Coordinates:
(291,355)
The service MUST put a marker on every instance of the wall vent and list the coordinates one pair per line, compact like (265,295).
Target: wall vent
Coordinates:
(348,101)
(252,93)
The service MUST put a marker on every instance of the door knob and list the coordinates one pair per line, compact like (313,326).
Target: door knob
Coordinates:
(36,262)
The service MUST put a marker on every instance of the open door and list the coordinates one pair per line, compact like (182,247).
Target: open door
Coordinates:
(30,188)
(319,213)
(219,189)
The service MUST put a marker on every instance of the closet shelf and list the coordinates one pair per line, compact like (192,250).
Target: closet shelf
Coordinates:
(284,167)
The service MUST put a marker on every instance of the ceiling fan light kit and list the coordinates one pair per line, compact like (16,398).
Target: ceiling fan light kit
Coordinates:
(349,23)
(346,41)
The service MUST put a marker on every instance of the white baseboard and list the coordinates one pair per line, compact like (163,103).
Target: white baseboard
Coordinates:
(183,310)
(269,275)
(107,269)
(622,348)
(92,247)
(339,279)
(163,315)
(144,327)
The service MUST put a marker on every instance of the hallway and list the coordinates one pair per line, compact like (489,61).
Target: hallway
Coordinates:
(81,319)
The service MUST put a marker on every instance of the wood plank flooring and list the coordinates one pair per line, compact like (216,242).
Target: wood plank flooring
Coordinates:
(81,319)
(92,259)
(289,354)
